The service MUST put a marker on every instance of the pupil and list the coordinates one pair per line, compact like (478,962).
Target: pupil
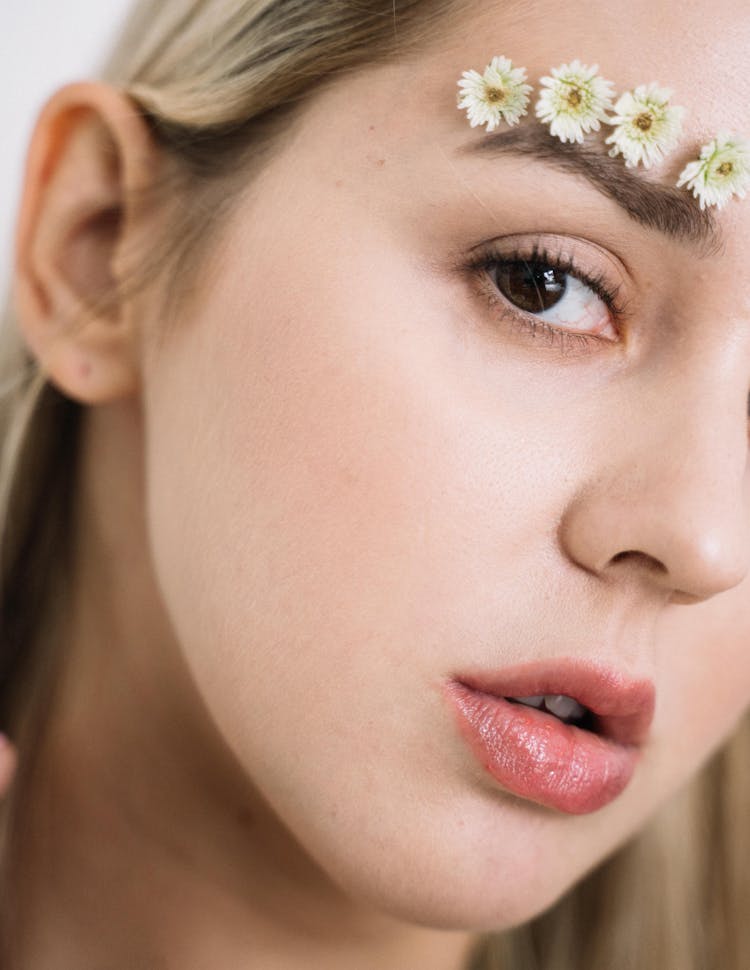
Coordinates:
(532,287)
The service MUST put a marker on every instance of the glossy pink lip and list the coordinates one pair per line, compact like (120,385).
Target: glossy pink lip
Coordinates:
(536,756)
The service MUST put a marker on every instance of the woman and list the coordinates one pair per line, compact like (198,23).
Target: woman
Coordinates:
(315,495)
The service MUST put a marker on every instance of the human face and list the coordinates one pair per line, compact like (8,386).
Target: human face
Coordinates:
(367,477)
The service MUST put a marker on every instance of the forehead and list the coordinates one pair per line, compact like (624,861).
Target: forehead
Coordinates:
(390,137)
(696,47)
(406,111)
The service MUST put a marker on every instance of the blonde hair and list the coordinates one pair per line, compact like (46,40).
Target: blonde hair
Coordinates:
(217,81)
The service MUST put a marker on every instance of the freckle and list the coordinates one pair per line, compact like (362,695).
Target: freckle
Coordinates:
(381,163)
(372,127)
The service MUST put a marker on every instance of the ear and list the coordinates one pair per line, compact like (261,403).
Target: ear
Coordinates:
(90,150)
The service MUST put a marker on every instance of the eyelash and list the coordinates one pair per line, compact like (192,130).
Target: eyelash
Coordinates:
(480,268)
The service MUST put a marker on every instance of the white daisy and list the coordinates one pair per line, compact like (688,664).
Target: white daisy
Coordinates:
(576,99)
(647,126)
(497,95)
(723,170)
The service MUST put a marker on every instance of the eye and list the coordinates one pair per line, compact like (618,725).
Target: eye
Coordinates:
(553,294)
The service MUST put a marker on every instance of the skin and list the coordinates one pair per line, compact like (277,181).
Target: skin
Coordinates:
(8,759)
(346,478)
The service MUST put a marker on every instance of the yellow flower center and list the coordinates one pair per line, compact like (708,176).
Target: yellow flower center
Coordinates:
(495,95)
(574,97)
(644,121)
(726,168)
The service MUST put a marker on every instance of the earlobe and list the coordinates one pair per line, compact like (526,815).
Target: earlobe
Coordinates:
(90,151)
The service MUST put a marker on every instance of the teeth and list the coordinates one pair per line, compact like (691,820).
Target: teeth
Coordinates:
(536,701)
(563,706)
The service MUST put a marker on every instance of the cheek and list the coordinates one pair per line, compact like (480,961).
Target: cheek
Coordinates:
(339,522)
(316,502)
(704,669)
(336,473)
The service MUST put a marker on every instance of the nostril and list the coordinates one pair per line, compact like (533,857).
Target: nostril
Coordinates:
(688,536)
(638,558)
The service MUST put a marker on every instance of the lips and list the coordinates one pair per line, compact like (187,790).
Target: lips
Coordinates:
(535,755)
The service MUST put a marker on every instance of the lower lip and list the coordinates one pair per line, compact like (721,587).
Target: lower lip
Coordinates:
(534,755)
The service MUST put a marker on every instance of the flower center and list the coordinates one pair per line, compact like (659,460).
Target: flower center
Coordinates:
(495,95)
(726,168)
(644,121)
(574,97)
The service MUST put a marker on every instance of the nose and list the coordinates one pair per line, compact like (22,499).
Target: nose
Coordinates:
(669,500)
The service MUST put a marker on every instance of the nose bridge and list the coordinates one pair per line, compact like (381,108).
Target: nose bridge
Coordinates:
(670,496)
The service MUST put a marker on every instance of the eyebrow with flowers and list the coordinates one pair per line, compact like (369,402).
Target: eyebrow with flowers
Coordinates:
(576,101)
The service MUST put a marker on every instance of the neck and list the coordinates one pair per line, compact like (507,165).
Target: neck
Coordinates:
(144,842)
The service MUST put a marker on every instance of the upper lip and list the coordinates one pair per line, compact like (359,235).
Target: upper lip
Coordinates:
(623,707)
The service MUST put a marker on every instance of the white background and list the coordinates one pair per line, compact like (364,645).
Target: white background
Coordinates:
(43,44)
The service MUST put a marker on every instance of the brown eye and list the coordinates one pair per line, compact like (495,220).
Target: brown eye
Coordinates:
(533,287)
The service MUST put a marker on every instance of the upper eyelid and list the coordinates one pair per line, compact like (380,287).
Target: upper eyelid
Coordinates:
(557,249)
(565,245)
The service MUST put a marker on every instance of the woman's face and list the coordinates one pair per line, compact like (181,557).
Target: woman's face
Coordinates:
(370,475)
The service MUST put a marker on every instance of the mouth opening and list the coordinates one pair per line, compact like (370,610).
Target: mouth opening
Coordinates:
(562,708)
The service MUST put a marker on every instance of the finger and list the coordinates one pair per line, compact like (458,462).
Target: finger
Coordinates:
(7,764)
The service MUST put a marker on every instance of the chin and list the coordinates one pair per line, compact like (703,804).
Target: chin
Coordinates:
(460,904)
(487,877)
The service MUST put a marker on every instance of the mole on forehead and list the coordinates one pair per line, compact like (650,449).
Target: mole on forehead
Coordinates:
(651,204)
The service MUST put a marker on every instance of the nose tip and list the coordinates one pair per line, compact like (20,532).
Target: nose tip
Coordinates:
(717,562)
(689,551)
(697,571)
(666,495)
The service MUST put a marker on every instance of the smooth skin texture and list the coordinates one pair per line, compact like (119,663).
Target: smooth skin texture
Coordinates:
(350,475)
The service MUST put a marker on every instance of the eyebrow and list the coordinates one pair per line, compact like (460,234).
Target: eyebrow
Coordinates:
(662,207)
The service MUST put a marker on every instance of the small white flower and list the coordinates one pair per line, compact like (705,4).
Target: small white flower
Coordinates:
(497,95)
(723,170)
(647,127)
(575,101)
